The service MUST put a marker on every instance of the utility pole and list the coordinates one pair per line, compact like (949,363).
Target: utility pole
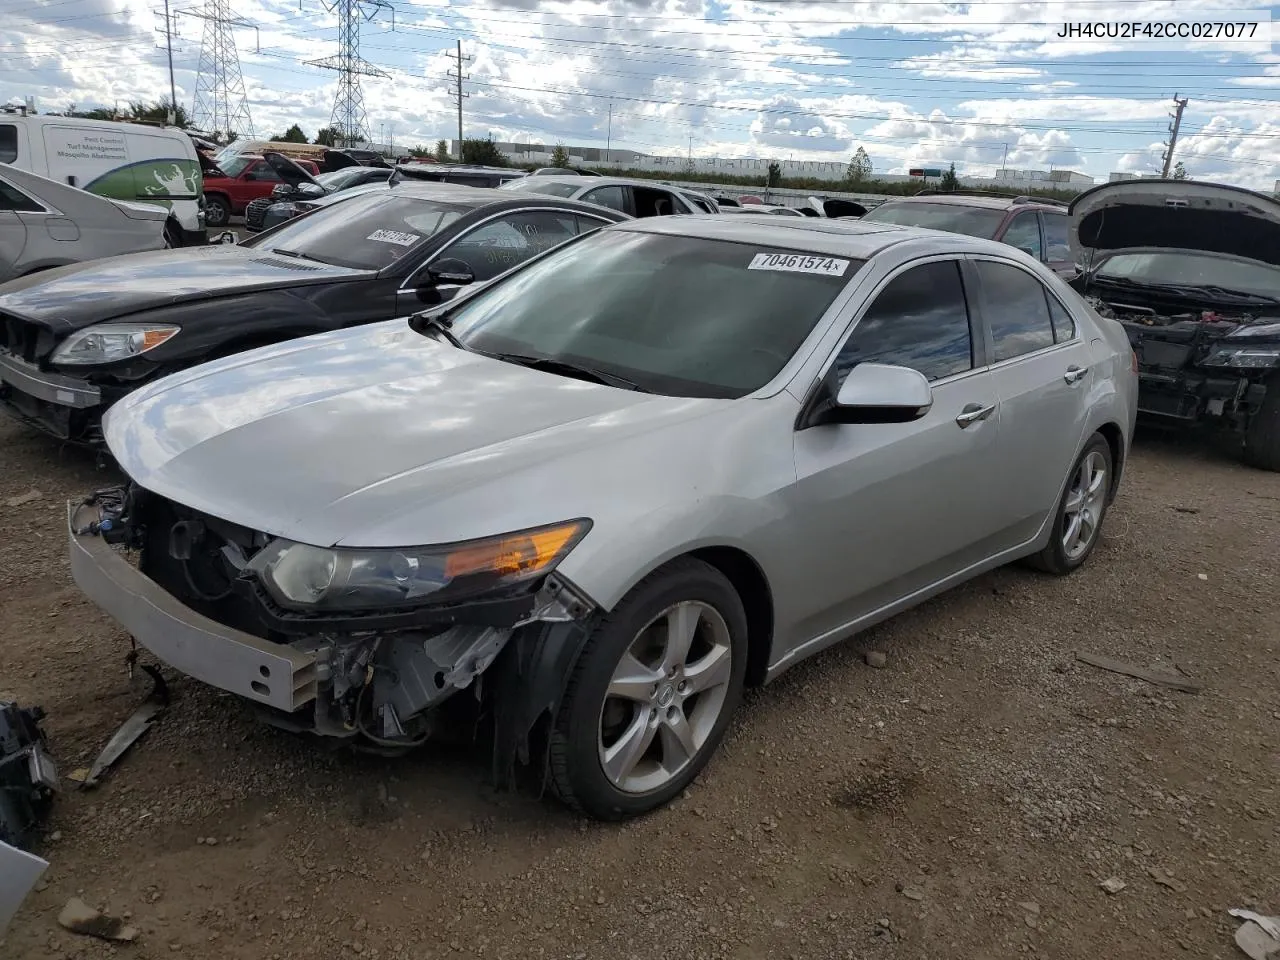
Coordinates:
(608,137)
(349,116)
(457,76)
(1179,106)
(168,43)
(1004,163)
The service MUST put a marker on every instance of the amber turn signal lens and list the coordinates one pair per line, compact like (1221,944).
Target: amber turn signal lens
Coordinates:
(514,554)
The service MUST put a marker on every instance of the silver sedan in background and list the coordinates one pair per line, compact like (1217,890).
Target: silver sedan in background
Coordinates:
(45,224)
(612,487)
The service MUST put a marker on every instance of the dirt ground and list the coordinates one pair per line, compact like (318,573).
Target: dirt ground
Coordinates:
(965,801)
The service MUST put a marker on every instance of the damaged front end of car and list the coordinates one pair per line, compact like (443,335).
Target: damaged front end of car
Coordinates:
(364,645)
(1200,365)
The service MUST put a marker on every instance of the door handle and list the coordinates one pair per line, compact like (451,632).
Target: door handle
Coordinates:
(972,413)
(1075,374)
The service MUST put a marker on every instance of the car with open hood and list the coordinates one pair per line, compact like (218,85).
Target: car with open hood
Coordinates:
(75,340)
(242,178)
(46,224)
(1192,270)
(602,494)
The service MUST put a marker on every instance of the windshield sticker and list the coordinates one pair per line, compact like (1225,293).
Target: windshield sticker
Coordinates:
(395,236)
(799,263)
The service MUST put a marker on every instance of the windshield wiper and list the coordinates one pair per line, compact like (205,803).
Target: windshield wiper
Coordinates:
(300,256)
(583,372)
(440,323)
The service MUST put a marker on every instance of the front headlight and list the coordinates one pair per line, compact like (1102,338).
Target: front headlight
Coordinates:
(106,342)
(1251,358)
(302,577)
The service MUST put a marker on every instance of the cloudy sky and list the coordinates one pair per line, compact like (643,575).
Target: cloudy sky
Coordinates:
(914,82)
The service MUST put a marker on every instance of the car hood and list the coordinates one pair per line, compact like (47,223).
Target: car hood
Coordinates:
(1176,215)
(375,436)
(72,297)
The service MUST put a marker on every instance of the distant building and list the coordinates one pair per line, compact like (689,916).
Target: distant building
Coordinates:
(1129,175)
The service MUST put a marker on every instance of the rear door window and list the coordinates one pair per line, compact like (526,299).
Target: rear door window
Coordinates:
(1057,246)
(612,196)
(8,143)
(1023,232)
(919,320)
(1016,307)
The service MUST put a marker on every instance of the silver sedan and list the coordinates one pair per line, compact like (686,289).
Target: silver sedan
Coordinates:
(45,224)
(609,489)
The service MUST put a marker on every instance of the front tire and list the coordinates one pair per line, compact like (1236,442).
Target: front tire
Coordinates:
(1078,522)
(1262,436)
(217,211)
(652,694)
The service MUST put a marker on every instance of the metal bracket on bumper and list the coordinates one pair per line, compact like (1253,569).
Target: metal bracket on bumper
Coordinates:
(240,663)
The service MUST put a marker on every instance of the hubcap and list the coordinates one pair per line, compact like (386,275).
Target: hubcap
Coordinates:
(1082,511)
(665,697)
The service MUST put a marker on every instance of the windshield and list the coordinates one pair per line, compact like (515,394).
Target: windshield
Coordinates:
(234,163)
(538,185)
(341,179)
(952,217)
(683,316)
(366,232)
(1192,270)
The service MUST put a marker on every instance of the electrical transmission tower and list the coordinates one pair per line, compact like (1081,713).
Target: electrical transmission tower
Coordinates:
(349,117)
(220,105)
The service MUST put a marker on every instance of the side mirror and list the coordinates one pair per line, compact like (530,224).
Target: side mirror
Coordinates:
(451,270)
(225,237)
(880,393)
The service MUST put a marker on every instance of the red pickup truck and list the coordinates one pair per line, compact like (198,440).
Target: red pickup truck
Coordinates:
(247,177)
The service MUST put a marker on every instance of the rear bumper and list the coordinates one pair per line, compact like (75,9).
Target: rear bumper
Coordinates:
(267,673)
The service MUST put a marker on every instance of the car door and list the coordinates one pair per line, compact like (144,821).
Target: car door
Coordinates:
(491,248)
(1041,368)
(882,511)
(13,232)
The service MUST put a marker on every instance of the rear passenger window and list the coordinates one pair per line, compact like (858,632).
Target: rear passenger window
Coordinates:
(8,143)
(1017,310)
(920,320)
(1064,325)
(607,197)
(1024,233)
(1057,247)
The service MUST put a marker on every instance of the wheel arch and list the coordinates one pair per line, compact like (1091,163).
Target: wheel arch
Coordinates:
(1114,435)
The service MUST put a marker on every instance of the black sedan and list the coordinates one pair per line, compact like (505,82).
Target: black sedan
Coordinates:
(76,339)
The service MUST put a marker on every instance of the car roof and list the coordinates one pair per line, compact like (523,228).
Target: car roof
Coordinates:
(474,197)
(988,201)
(581,181)
(846,238)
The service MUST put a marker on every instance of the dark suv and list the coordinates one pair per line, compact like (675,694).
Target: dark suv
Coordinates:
(1034,225)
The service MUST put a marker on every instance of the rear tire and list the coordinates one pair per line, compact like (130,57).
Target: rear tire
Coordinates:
(1262,436)
(217,211)
(1077,524)
(644,712)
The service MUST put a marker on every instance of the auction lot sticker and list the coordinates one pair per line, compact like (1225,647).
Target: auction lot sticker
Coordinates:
(394,236)
(799,263)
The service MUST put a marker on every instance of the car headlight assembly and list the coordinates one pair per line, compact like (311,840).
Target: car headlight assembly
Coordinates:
(108,342)
(316,579)
(1245,358)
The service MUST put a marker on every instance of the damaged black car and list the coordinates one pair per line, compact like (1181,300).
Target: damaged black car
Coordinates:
(1192,270)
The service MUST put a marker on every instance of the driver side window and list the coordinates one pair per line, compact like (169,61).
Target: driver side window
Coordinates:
(919,320)
(501,244)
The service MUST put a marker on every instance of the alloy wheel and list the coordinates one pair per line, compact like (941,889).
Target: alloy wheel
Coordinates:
(1082,511)
(665,696)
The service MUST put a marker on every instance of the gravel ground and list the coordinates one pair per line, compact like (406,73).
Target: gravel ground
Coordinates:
(964,801)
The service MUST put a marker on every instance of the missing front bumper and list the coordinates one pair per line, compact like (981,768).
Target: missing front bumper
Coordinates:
(263,672)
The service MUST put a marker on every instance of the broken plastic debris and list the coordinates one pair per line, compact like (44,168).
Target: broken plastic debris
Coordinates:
(1258,936)
(19,872)
(133,728)
(1112,885)
(78,917)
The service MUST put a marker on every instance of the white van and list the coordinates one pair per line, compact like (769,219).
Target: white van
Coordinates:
(123,161)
